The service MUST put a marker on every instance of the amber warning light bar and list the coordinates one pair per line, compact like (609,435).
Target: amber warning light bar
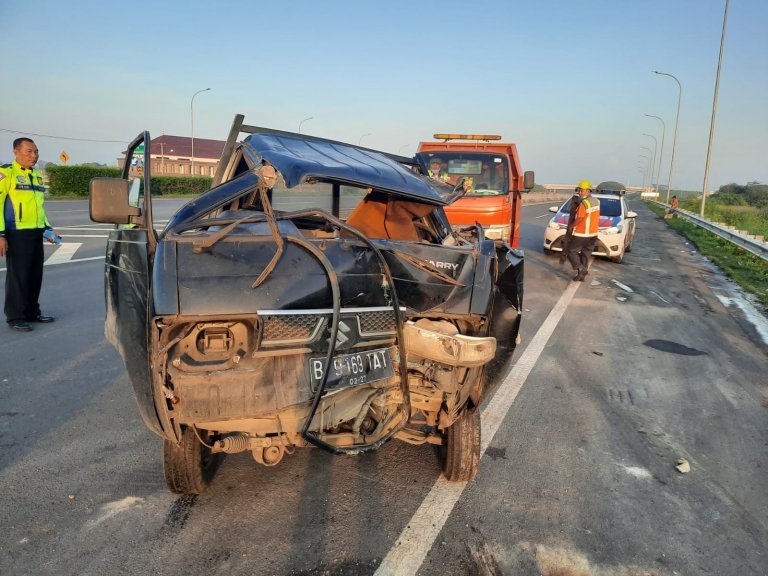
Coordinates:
(486,137)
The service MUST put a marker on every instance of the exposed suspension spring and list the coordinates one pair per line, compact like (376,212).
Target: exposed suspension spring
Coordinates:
(234,443)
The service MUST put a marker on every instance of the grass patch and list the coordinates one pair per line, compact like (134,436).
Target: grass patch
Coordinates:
(752,219)
(747,270)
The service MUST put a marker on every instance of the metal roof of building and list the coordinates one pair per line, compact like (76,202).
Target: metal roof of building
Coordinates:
(168,145)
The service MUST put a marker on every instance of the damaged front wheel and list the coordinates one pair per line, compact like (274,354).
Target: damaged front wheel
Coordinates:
(189,465)
(462,447)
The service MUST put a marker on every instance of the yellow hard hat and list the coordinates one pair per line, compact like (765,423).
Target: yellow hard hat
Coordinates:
(585,185)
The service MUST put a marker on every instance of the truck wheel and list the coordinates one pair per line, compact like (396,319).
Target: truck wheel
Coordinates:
(462,447)
(189,466)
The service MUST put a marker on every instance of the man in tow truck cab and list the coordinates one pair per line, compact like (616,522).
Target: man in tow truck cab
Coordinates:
(489,178)
(436,170)
(493,204)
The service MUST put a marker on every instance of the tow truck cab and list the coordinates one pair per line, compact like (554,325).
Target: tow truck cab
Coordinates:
(495,176)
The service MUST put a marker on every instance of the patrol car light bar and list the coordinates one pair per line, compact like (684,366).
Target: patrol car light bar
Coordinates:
(486,137)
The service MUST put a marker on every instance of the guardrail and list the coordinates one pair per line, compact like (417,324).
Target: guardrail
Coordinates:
(751,244)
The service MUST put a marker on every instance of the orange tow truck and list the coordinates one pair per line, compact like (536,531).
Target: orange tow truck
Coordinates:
(495,177)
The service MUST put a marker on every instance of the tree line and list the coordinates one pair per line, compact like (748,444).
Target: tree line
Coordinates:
(750,194)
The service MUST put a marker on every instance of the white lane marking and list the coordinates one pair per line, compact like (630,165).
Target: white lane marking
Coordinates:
(63,253)
(86,228)
(74,260)
(418,537)
(543,215)
(67,235)
(99,227)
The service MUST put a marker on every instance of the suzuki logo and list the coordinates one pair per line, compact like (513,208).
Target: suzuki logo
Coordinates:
(341,334)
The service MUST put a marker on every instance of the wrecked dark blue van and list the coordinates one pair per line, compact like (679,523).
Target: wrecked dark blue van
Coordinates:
(315,296)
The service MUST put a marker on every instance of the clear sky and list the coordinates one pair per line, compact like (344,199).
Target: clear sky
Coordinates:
(568,81)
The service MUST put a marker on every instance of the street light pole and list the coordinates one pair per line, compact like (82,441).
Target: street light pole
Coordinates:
(302,122)
(714,112)
(647,164)
(363,136)
(677,119)
(661,152)
(653,163)
(192,125)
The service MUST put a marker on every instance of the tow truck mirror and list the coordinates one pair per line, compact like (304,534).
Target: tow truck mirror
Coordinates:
(528,180)
(109,203)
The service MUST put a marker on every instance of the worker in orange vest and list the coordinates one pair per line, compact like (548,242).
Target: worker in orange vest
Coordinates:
(585,222)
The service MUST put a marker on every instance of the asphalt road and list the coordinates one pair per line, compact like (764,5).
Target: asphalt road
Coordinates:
(649,361)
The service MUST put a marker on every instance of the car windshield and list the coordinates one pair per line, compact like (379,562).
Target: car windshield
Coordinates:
(487,172)
(610,207)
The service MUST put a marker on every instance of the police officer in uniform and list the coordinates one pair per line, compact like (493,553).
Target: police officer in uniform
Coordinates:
(22,223)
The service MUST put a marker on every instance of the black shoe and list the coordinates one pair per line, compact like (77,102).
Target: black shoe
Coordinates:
(21,326)
(581,273)
(43,318)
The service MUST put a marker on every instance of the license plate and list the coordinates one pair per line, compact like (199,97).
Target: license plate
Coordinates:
(352,369)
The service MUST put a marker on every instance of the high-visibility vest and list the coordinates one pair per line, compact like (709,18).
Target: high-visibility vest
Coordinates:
(587,217)
(442,176)
(22,195)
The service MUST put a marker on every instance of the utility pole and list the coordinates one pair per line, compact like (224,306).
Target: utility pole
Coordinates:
(714,112)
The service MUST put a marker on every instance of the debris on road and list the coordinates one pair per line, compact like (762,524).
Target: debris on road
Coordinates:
(683,466)
(622,286)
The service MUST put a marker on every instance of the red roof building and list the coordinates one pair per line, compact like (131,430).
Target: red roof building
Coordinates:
(172,155)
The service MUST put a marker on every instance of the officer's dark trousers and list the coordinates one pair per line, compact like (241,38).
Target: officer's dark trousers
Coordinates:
(579,250)
(24,275)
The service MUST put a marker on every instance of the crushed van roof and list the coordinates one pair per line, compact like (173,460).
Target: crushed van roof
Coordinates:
(299,158)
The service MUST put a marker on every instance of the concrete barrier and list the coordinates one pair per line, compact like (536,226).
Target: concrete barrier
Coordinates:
(541,197)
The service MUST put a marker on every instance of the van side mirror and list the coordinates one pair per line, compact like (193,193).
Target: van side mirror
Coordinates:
(528,180)
(108,201)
